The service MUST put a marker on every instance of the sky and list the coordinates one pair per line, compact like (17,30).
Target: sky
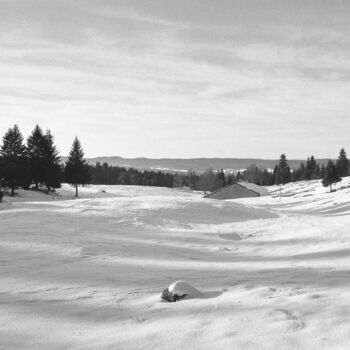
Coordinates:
(179,78)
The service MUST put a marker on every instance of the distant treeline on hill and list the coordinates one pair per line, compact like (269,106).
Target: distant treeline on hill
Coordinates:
(212,180)
(37,163)
(199,165)
(281,174)
(114,175)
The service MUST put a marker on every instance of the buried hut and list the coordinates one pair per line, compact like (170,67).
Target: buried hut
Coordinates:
(238,190)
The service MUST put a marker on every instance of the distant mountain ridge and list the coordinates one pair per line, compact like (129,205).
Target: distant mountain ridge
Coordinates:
(196,164)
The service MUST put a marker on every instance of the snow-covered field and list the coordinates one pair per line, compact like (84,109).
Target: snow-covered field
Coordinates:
(87,274)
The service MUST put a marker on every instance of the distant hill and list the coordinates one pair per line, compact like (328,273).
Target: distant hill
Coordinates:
(197,164)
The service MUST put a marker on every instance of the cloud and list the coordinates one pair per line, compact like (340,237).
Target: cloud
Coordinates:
(185,78)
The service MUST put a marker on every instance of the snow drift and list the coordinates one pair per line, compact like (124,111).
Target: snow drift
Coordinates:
(180,290)
(86,274)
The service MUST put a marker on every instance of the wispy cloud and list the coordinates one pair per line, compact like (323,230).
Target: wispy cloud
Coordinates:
(191,78)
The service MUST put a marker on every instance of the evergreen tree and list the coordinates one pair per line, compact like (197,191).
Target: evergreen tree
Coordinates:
(239,176)
(267,178)
(2,171)
(283,175)
(2,165)
(299,173)
(208,181)
(311,168)
(318,171)
(322,171)
(331,175)
(76,171)
(230,179)
(52,167)
(221,178)
(253,174)
(342,163)
(193,178)
(307,170)
(302,171)
(275,175)
(36,145)
(15,169)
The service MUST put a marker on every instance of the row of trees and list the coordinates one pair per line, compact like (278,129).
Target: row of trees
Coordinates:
(113,175)
(37,162)
(329,173)
(282,173)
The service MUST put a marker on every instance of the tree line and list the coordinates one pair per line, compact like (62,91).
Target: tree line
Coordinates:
(330,174)
(36,163)
(114,175)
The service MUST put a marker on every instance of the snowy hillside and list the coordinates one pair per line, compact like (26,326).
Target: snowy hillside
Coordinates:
(312,197)
(273,272)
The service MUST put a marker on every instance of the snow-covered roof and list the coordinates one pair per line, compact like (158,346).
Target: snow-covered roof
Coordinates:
(253,187)
(238,190)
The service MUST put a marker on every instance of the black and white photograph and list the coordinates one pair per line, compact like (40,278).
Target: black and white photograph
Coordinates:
(174,174)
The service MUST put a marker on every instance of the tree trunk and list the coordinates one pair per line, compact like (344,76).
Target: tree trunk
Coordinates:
(76,190)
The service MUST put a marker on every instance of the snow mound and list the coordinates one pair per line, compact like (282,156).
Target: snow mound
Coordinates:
(28,196)
(180,290)
(182,287)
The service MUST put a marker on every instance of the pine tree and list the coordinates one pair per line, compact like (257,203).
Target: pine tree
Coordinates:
(331,175)
(52,168)
(208,181)
(76,171)
(36,152)
(2,171)
(283,171)
(267,178)
(253,174)
(239,176)
(299,173)
(13,152)
(342,163)
(275,175)
(302,171)
(322,171)
(307,170)
(221,178)
(318,171)
(2,164)
(311,169)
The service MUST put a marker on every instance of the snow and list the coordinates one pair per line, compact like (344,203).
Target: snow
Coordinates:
(271,272)
(184,288)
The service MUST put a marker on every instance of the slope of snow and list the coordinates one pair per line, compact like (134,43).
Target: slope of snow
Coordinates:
(273,273)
